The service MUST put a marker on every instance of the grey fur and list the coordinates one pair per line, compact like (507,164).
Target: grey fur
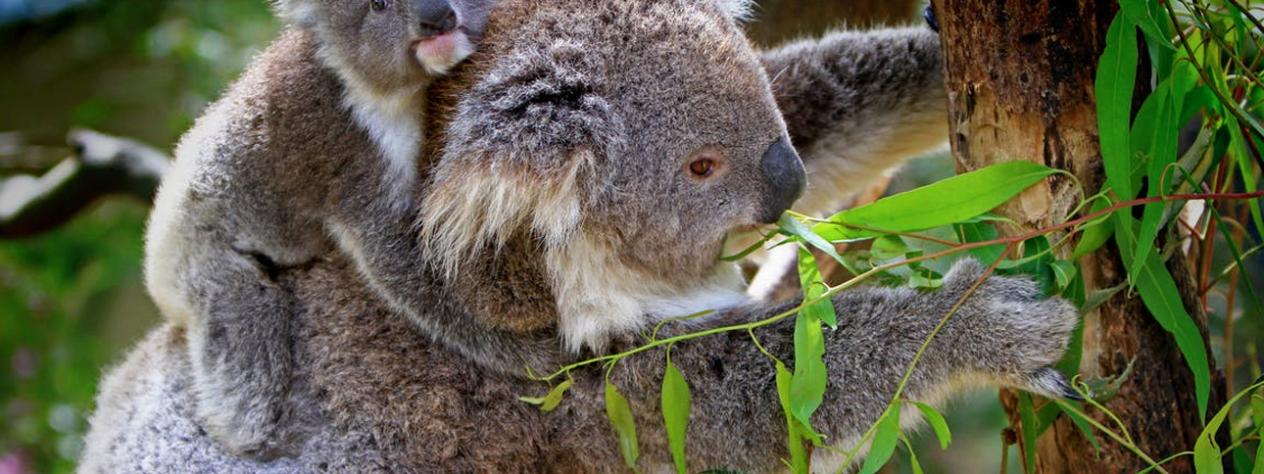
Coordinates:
(598,104)
(298,146)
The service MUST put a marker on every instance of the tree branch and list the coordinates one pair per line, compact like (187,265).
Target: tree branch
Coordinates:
(102,165)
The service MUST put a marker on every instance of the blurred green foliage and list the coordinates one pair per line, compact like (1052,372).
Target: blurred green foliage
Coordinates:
(72,300)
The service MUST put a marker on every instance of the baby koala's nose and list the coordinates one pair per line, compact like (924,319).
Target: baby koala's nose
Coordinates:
(435,16)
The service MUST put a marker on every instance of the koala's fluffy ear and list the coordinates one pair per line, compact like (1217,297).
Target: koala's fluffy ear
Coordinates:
(740,10)
(300,13)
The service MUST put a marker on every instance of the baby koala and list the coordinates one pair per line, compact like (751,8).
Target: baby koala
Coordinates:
(319,138)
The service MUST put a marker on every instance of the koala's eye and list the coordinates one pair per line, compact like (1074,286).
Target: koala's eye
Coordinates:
(379,5)
(704,166)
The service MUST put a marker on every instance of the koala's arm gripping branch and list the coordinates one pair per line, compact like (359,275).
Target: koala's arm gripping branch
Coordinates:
(102,165)
(735,404)
(858,103)
(1002,333)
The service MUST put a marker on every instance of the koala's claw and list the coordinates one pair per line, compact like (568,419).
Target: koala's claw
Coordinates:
(929,15)
(1051,383)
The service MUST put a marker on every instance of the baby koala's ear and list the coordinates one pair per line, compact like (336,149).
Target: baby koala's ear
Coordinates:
(300,13)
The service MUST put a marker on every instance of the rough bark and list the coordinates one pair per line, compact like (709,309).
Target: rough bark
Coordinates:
(1020,86)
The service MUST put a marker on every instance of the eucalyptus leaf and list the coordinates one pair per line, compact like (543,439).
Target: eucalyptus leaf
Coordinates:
(620,415)
(1165,103)
(814,287)
(676,403)
(1031,427)
(807,386)
(1159,292)
(1085,428)
(1206,450)
(1116,79)
(946,202)
(936,422)
(913,462)
(554,397)
(884,439)
(798,453)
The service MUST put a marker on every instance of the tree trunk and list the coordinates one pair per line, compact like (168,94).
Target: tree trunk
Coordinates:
(1020,86)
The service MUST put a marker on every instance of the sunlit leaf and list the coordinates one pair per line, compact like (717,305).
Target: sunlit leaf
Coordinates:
(807,386)
(620,416)
(808,236)
(936,422)
(676,402)
(884,439)
(550,401)
(798,453)
(946,202)
(814,287)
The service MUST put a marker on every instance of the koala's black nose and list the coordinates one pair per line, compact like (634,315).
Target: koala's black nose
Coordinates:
(785,179)
(435,16)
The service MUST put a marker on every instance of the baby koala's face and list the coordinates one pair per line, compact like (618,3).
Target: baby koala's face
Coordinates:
(448,32)
(392,45)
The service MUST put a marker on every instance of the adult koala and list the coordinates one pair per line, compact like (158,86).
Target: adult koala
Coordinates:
(588,163)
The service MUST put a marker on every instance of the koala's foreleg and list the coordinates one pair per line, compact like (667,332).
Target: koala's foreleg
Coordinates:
(857,104)
(1005,334)
(240,344)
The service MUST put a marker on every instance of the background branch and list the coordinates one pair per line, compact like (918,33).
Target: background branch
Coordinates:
(100,165)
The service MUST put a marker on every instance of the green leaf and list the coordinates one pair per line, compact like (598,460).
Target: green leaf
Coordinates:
(620,416)
(1031,430)
(1063,273)
(676,401)
(807,386)
(1097,234)
(798,454)
(1159,292)
(1206,450)
(1238,150)
(552,399)
(814,287)
(937,423)
(1165,106)
(808,236)
(1085,428)
(1259,455)
(913,463)
(884,439)
(1257,410)
(1143,14)
(1116,79)
(946,202)
(973,232)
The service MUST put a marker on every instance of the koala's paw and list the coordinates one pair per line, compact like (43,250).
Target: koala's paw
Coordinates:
(1014,334)
(243,428)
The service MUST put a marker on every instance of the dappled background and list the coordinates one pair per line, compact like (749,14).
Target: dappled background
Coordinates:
(72,299)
